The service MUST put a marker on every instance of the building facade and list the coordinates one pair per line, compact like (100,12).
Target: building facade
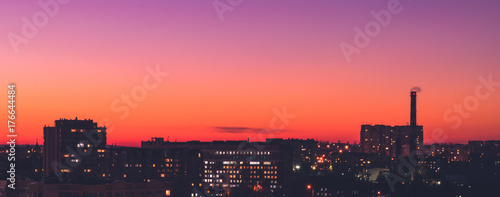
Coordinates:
(394,141)
(74,150)
(230,167)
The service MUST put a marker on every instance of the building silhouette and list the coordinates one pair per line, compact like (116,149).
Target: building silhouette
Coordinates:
(180,168)
(74,150)
(394,140)
(233,167)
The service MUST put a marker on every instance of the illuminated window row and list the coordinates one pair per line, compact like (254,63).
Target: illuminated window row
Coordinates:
(242,153)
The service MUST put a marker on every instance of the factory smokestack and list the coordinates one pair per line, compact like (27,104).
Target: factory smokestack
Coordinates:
(413,113)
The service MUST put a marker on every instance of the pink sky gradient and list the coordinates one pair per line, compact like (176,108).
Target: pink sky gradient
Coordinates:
(264,55)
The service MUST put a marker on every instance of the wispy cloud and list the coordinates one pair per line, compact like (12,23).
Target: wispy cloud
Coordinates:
(238,130)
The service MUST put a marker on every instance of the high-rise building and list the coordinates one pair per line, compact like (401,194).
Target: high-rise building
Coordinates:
(390,140)
(394,140)
(74,150)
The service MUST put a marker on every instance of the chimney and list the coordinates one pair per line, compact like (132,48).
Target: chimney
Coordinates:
(413,113)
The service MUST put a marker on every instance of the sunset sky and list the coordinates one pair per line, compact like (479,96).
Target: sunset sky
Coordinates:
(260,57)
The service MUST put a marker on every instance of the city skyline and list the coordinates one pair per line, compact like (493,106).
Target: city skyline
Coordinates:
(234,72)
(75,160)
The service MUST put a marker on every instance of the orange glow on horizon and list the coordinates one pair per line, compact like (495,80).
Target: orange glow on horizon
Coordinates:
(232,80)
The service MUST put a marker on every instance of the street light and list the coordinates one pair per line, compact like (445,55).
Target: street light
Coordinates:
(309,187)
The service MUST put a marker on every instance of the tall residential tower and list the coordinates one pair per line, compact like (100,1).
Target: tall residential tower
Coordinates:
(74,149)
